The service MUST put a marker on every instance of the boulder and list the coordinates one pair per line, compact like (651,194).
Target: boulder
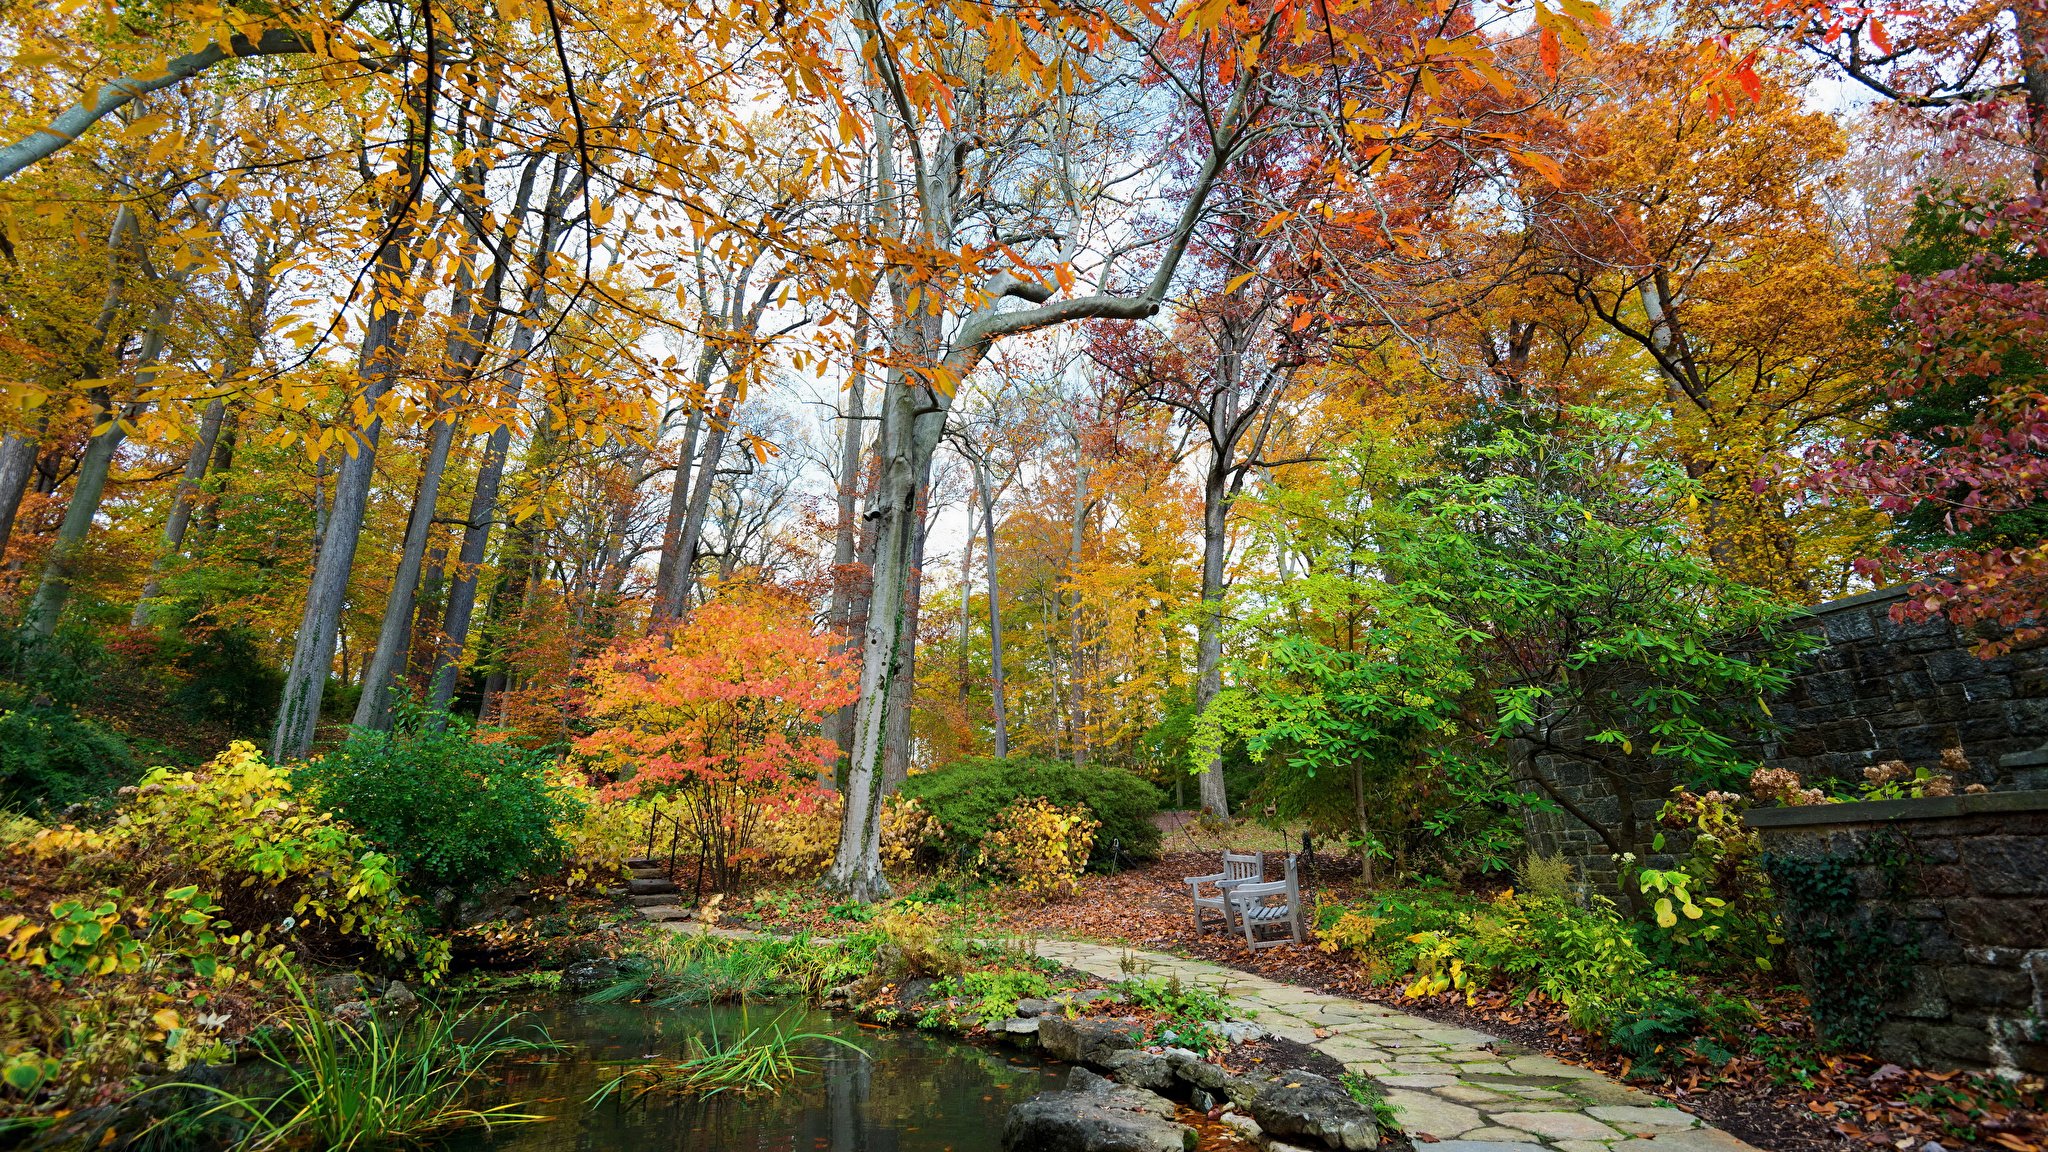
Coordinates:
(1093,1115)
(589,975)
(1085,1041)
(1141,1069)
(1209,1077)
(398,1003)
(347,986)
(1303,1104)
(1239,1031)
(915,994)
(1029,1008)
(1019,1026)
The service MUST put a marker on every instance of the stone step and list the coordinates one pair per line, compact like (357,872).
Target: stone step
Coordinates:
(653,901)
(649,874)
(643,862)
(662,913)
(649,887)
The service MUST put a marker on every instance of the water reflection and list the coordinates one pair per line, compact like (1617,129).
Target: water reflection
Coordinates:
(912,1092)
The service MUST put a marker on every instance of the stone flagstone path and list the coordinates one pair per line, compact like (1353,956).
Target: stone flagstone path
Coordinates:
(1442,1081)
(1451,1092)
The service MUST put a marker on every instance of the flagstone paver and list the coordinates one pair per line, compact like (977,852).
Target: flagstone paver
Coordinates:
(1440,1081)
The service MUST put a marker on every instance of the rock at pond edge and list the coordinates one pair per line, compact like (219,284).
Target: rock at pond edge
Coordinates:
(1093,1115)
(1084,1041)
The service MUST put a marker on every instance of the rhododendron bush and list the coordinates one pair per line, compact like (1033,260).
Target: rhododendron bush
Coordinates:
(718,719)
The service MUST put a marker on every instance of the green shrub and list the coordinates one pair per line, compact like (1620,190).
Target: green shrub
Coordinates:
(55,757)
(1588,959)
(965,797)
(50,755)
(228,681)
(995,994)
(457,815)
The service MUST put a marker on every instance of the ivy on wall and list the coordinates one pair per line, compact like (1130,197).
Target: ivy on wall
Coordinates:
(1848,949)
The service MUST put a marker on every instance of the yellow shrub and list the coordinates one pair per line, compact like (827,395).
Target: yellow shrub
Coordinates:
(235,829)
(923,948)
(800,838)
(1042,846)
(602,836)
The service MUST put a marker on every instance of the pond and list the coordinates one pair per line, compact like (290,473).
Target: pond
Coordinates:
(912,1091)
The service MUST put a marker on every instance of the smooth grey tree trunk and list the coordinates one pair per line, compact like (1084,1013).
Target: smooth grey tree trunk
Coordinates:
(1209,635)
(903,688)
(180,519)
(838,727)
(490,475)
(17,466)
(667,604)
(88,487)
(1079,536)
(298,713)
(995,613)
(375,709)
(476,530)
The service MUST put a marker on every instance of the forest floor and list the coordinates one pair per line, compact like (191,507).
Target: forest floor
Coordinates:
(1796,1100)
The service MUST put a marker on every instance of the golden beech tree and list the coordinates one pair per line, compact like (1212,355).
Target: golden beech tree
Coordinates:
(1701,245)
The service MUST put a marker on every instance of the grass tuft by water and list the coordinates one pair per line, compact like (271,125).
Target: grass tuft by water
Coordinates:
(749,1060)
(347,1086)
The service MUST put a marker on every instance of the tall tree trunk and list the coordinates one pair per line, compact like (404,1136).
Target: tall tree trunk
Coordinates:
(88,487)
(298,714)
(1209,632)
(90,484)
(912,418)
(667,602)
(720,420)
(374,709)
(1078,538)
(181,509)
(995,616)
(17,466)
(903,688)
(838,727)
(490,473)
(223,465)
(962,676)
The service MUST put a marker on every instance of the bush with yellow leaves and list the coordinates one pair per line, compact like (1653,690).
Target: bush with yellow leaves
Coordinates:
(601,835)
(799,837)
(281,869)
(1042,846)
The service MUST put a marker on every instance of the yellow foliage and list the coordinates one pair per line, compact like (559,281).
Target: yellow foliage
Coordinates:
(235,829)
(1043,846)
(602,835)
(922,946)
(799,839)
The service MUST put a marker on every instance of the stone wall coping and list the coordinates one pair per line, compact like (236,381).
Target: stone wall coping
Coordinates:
(1884,811)
(1868,599)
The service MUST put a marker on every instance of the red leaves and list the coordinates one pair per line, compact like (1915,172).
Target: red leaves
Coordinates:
(723,698)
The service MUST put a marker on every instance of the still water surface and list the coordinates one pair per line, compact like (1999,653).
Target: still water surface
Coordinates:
(912,1091)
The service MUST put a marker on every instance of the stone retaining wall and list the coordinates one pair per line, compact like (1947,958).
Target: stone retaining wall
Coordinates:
(1974,902)
(1878,690)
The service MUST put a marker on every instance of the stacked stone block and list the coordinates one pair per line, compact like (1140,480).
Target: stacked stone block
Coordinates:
(1976,909)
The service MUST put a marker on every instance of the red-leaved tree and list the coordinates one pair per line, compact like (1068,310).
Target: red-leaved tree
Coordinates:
(719,717)
(1977,320)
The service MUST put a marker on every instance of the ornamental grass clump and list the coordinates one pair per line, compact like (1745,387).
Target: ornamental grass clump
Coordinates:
(751,1060)
(367,1084)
